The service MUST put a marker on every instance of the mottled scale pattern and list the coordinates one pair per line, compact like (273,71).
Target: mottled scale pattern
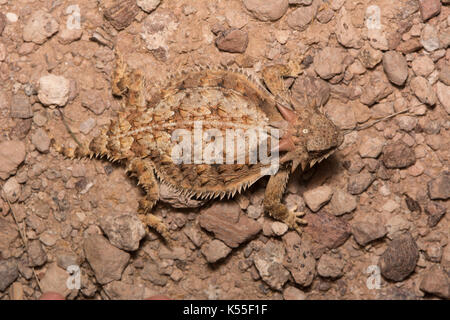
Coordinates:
(219,100)
(141,136)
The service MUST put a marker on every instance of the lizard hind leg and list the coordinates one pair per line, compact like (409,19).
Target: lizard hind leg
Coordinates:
(96,147)
(128,83)
(119,77)
(274,75)
(78,152)
(273,78)
(143,170)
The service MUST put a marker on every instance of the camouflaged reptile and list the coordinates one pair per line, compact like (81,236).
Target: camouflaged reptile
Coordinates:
(140,136)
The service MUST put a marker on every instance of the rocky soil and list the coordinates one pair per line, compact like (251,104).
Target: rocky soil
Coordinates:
(376,211)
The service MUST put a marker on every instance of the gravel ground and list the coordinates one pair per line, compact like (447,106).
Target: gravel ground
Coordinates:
(376,210)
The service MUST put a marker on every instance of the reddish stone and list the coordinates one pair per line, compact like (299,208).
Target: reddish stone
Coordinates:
(327,230)
(122,13)
(233,40)
(409,46)
(225,220)
(429,8)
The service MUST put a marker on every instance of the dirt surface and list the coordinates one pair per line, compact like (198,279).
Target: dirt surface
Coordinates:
(376,210)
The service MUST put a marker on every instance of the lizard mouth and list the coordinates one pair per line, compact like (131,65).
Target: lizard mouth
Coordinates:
(321,158)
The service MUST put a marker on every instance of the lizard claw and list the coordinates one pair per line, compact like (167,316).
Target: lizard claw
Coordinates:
(158,225)
(294,220)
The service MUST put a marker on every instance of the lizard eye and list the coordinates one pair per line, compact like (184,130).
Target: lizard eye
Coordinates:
(305,131)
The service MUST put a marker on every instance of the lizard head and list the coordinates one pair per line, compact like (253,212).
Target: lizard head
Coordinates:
(310,137)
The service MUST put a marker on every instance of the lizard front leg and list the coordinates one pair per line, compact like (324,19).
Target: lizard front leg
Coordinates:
(143,170)
(272,201)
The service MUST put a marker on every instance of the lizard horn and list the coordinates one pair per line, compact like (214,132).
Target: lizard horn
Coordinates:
(286,144)
(287,114)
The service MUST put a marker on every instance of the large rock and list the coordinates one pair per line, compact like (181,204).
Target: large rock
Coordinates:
(119,290)
(124,231)
(8,234)
(269,263)
(342,202)
(371,147)
(423,90)
(56,280)
(53,90)
(398,155)
(292,293)
(407,123)
(66,258)
(317,197)
(394,64)
(41,140)
(233,40)
(443,94)
(327,230)
(107,261)
(400,258)
(8,273)
(151,273)
(444,73)
(436,282)
(429,8)
(12,190)
(430,38)
(439,188)
(21,107)
(36,254)
(148,5)
(279,228)
(39,27)
(267,10)
(422,66)
(215,250)
(345,31)
(376,89)
(329,62)
(377,38)
(300,18)
(342,115)
(370,57)
(365,232)
(409,46)
(12,154)
(435,212)
(359,183)
(225,220)
(299,259)
(330,266)
(69,35)
(121,13)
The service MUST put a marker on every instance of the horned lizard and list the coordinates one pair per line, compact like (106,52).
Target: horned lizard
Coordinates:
(141,136)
